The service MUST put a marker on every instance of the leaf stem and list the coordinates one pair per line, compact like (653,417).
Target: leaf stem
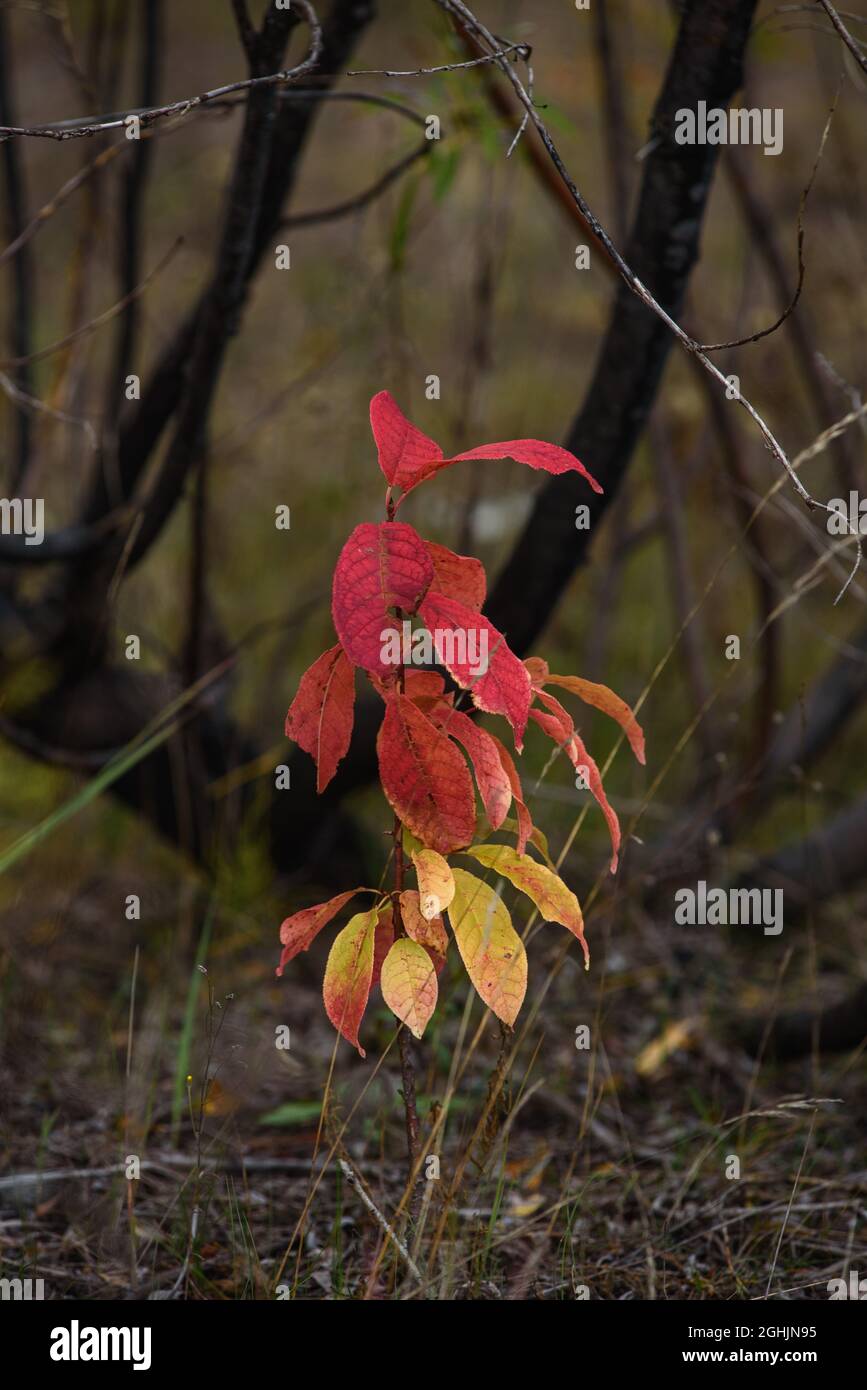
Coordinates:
(407,1065)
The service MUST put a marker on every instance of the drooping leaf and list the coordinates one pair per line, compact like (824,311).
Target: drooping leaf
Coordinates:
(436,887)
(299,931)
(490,948)
(409,984)
(460,577)
(380,567)
(430,934)
(555,902)
(320,717)
(491,776)
(425,778)
(581,759)
(536,453)
(383,939)
(525,820)
(348,975)
(400,444)
(497,681)
(557,723)
(599,696)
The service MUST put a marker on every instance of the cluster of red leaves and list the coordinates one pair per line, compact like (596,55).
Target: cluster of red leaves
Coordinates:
(387,573)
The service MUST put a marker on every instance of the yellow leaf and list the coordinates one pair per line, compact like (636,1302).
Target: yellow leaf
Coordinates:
(409,984)
(490,948)
(673,1037)
(548,892)
(348,975)
(436,886)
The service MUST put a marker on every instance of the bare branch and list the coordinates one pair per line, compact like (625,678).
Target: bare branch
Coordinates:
(459,10)
(851,43)
(80,128)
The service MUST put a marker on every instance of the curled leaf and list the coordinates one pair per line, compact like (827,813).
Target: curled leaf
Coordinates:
(554,900)
(490,948)
(425,778)
(349,974)
(321,715)
(379,568)
(409,984)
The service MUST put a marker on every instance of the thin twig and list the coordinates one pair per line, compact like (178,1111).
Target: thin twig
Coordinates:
(94,324)
(391,1234)
(522,50)
(459,11)
(793,303)
(851,43)
(80,128)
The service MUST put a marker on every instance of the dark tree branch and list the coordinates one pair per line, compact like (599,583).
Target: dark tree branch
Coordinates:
(95,125)
(706,64)
(131,239)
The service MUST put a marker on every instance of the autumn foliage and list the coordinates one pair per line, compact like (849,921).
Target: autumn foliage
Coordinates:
(434,757)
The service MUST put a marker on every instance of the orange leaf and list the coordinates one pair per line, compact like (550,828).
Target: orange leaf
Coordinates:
(599,696)
(348,975)
(425,778)
(320,717)
(409,984)
(490,948)
(555,902)
(299,931)
(462,577)
(430,934)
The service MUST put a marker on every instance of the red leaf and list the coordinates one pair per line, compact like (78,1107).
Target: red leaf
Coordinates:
(461,577)
(525,820)
(492,778)
(599,696)
(380,567)
(425,778)
(581,758)
(534,452)
(320,716)
(299,931)
(348,974)
(558,726)
(402,447)
(504,688)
